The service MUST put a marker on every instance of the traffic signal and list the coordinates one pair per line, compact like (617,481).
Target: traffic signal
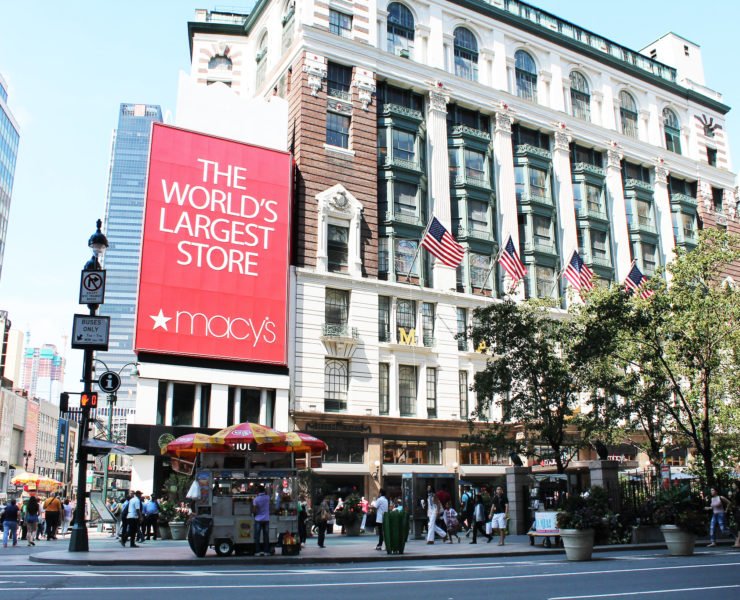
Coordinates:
(89,400)
(64,402)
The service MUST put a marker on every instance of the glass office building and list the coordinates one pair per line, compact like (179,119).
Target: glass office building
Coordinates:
(9,137)
(124,214)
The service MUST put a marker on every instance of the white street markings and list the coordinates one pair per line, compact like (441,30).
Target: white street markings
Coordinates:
(651,592)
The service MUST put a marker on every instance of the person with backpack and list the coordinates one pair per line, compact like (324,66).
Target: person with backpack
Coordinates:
(479,517)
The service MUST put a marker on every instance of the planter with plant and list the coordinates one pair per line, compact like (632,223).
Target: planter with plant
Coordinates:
(166,514)
(681,516)
(179,523)
(350,517)
(577,522)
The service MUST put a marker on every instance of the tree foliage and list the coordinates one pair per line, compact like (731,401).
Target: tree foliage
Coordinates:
(680,349)
(538,379)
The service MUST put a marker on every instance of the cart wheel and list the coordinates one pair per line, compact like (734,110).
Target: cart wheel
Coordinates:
(224,547)
(546,542)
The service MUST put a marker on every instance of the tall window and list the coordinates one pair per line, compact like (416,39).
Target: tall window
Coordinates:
(337,129)
(462,328)
(400,29)
(599,246)
(542,231)
(384,319)
(480,270)
(427,321)
(580,96)
(383,389)
(337,246)
(431,392)
(407,390)
(672,131)
(628,114)
(649,258)
(405,316)
(404,252)
(466,54)
(463,385)
(261,61)
(336,384)
(478,216)
(340,24)
(537,182)
(338,80)
(404,145)
(545,281)
(336,311)
(475,165)
(526,75)
(404,198)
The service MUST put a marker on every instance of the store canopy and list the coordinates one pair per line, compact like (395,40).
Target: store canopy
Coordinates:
(102,447)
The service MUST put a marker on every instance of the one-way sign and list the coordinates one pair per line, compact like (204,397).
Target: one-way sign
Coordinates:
(90,332)
(109,382)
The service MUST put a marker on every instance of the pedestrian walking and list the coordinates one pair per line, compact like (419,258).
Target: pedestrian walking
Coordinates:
(53,507)
(302,516)
(363,507)
(123,523)
(32,520)
(499,514)
(466,509)
(134,517)
(262,521)
(719,516)
(151,518)
(67,510)
(434,509)
(452,523)
(479,517)
(10,517)
(321,519)
(381,507)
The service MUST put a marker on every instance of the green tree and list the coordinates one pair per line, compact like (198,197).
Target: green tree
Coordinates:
(537,376)
(685,338)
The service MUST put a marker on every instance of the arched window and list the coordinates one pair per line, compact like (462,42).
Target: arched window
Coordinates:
(220,62)
(672,131)
(526,75)
(628,114)
(466,54)
(580,96)
(261,59)
(400,29)
(336,383)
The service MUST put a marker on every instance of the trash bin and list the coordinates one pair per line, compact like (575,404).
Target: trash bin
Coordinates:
(199,534)
(395,531)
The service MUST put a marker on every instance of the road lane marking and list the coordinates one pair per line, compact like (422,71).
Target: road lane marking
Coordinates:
(672,591)
(243,586)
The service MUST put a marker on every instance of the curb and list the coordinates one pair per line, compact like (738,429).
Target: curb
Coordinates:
(297,560)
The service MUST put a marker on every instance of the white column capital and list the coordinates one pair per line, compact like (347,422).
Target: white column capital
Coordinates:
(614,155)
(504,119)
(437,98)
(562,137)
(661,171)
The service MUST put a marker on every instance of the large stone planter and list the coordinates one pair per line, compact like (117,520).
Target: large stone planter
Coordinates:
(679,542)
(179,530)
(578,543)
(646,535)
(354,529)
(164,532)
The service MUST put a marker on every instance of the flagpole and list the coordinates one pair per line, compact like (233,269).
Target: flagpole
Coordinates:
(493,266)
(418,248)
(560,274)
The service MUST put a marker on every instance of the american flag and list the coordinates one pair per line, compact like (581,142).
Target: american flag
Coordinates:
(636,282)
(579,275)
(509,260)
(440,243)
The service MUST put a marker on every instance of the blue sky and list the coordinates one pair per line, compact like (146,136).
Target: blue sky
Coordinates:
(70,64)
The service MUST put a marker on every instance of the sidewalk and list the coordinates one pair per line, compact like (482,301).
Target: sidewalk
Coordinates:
(339,549)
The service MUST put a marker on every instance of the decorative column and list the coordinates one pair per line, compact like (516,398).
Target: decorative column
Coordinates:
(605,473)
(439,177)
(196,407)
(263,407)
(218,414)
(618,211)
(281,420)
(506,212)
(169,398)
(517,491)
(663,210)
(563,187)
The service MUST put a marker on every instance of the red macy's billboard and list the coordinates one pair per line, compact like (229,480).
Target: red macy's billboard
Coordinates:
(214,259)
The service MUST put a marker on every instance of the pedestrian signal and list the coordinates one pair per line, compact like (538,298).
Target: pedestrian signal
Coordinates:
(64,402)
(89,400)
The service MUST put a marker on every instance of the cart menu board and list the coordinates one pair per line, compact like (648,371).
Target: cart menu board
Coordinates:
(204,487)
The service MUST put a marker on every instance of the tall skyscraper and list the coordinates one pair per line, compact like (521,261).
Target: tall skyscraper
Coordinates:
(43,372)
(9,137)
(123,218)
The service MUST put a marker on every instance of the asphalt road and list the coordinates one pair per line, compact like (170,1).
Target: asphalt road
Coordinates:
(707,575)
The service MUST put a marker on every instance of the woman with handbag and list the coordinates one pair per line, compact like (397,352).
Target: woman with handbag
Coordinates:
(32,520)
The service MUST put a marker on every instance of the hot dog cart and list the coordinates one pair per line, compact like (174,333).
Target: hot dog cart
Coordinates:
(227,484)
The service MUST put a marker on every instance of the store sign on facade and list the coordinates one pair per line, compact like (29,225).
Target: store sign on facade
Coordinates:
(215,251)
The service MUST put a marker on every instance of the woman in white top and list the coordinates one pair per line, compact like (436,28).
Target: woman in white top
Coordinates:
(434,509)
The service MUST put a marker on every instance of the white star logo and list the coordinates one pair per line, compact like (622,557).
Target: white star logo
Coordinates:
(160,320)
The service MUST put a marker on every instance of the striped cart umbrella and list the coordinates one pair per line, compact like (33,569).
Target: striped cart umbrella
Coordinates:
(248,433)
(296,441)
(192,443)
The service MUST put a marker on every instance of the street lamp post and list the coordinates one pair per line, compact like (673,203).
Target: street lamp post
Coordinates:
(27,454)
(78,538)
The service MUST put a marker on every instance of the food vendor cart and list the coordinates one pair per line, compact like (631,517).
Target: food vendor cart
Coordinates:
(229,468)
(227,484)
